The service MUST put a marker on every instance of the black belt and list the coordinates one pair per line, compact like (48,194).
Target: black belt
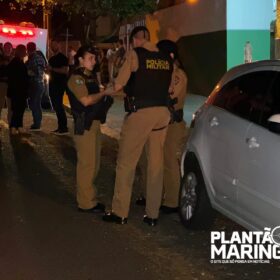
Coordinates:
(132,105)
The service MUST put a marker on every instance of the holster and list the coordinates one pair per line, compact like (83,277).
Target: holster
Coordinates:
(79,122)
(171,102)
(129,104)
(177,116)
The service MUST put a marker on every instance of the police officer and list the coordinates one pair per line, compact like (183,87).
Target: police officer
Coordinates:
(175,138)
(147,75)
(89,108)
(176,134)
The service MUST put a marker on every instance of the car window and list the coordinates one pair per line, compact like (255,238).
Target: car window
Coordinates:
(246,96)
(272,102)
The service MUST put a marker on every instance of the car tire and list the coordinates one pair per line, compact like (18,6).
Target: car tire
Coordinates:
(195,208)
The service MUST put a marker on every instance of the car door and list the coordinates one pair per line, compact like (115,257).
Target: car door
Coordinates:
(258,193)
(224,132)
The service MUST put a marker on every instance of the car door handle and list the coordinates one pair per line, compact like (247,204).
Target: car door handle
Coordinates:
(252,143)
(214,122)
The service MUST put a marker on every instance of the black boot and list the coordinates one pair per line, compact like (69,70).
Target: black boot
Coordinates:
(110,217)
(151,222)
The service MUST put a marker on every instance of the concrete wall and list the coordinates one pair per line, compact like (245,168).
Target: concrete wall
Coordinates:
(204,60)
(211,35)
(188,18)
(199,28)
(104,26)
(248,20)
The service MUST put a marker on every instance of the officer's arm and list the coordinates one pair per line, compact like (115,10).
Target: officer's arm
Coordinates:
(118,87)
(91,99)
(180,85)
(130,65)
(77,85)
(172,84)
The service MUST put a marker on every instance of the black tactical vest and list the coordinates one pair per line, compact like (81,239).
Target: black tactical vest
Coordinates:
(97,111)
(149,85)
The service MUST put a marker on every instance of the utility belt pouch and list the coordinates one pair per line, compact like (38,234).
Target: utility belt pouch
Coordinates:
(171,102)
(129,104)
(177,116)
(79,123)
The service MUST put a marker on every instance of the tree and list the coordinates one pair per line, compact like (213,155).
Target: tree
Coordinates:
(34,5)
(91,10)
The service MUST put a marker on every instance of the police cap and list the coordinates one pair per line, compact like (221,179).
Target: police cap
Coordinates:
(138,29)
(168,47)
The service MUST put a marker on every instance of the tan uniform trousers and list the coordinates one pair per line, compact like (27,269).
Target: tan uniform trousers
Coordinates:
(175,140)
(177,135)
(88,148)
(140,128)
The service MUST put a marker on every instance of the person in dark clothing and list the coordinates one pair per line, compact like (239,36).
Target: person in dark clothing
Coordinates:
(58,69)
(36,65)
(17,89)
(6,56)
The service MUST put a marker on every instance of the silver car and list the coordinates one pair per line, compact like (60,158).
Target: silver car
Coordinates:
(232,159)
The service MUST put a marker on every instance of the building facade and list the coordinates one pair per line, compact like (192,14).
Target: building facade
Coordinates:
(211,35)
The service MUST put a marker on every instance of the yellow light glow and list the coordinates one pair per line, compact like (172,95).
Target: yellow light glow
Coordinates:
(153,25)
(277,33)
(191,2)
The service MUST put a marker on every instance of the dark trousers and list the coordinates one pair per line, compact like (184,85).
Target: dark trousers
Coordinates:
(36,90)
(56,94)
(18,108)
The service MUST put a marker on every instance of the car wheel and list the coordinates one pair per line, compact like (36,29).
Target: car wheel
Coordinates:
(195,208)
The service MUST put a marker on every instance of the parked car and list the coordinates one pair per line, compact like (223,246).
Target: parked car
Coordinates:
(231,162)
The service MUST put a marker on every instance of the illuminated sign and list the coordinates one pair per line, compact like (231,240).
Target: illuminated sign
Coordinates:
(16,31)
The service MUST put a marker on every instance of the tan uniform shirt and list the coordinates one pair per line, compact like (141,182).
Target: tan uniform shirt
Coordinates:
(131,64)
(77,85)
(179,85)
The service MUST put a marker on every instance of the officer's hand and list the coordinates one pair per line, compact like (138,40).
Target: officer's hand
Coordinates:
(101,88)
(109,91)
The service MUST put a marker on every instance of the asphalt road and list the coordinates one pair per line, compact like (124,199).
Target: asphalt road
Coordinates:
(44,237)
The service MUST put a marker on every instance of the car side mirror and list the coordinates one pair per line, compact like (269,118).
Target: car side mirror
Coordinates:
(274,123)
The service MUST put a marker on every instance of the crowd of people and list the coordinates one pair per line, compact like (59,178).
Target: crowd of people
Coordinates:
(153,132)
(115,57)
(23,82)
(23,72)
